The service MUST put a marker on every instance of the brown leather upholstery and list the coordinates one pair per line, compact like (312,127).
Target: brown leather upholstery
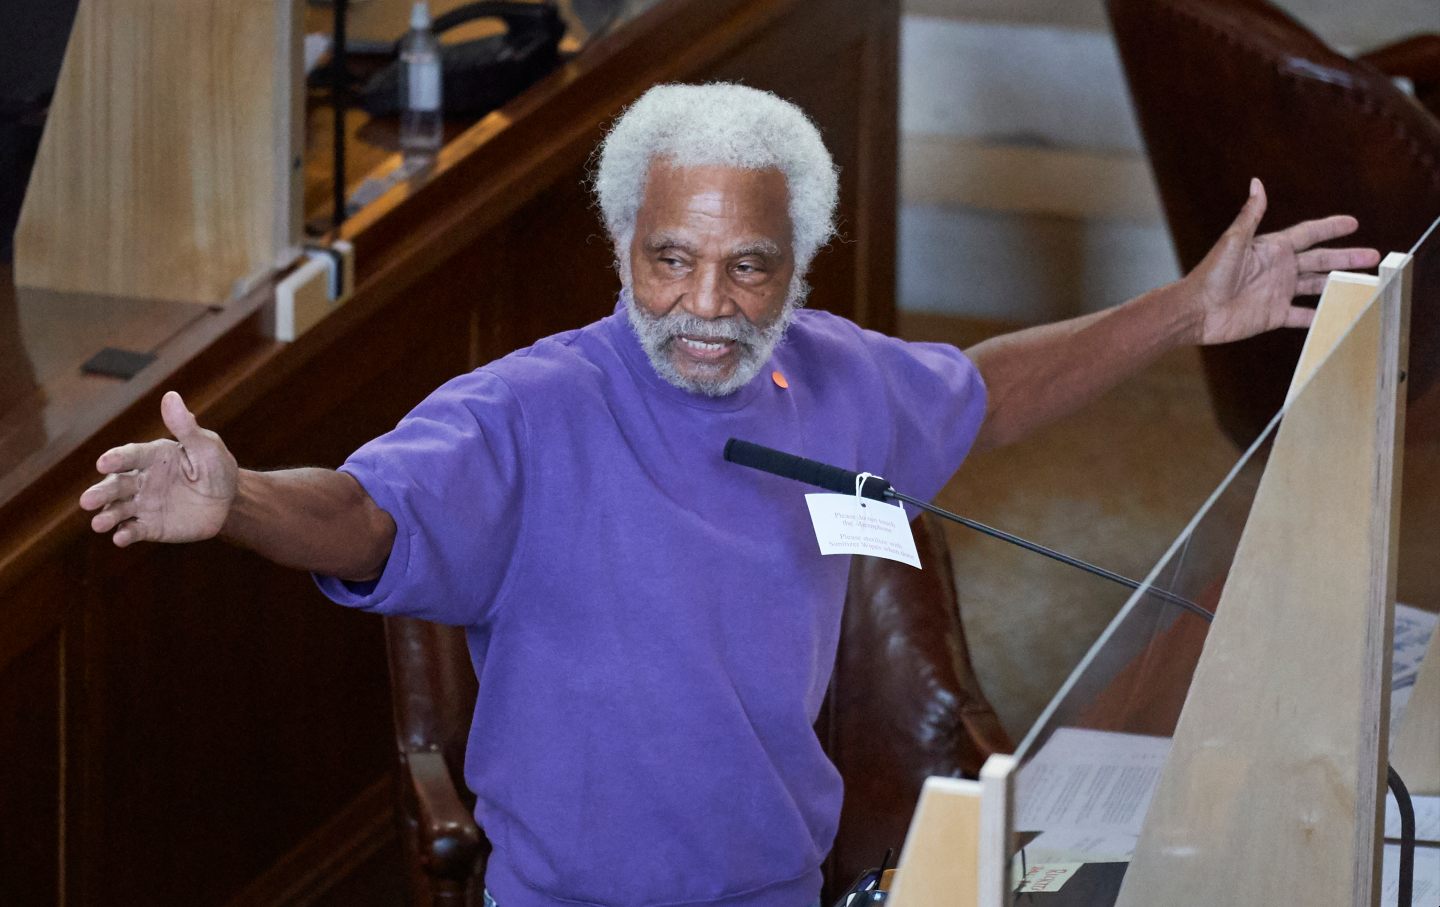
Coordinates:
(1229,89)
(904,704)
(1416,58)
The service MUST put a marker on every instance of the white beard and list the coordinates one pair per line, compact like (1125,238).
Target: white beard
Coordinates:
(657,334)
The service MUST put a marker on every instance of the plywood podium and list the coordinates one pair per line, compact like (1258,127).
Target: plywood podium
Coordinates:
(170,167)
(1273,791)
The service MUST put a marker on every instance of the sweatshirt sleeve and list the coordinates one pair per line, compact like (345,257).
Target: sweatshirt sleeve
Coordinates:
(935,403)
(451,476)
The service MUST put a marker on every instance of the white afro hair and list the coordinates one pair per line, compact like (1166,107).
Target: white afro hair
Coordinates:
(717,124)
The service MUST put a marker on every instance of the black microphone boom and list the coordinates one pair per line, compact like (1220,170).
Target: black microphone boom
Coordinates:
(842,481)
(811,472)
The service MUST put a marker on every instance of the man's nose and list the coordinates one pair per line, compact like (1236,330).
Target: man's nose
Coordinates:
(708,297)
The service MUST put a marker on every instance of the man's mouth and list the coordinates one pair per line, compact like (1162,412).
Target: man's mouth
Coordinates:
(708,349)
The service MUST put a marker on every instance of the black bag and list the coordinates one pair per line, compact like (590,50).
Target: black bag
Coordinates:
(478,76)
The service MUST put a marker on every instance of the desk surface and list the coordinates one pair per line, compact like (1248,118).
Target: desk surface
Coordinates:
(48,404)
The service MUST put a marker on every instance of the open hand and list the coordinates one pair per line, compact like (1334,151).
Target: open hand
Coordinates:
(165,491)
(1247,284)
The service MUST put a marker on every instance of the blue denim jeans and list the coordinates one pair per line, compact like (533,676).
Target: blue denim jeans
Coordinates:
(490,902)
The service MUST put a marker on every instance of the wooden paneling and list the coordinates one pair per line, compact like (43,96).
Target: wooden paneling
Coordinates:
(284,696)
(30,712)
(168,166)
(33,749)
(240,713)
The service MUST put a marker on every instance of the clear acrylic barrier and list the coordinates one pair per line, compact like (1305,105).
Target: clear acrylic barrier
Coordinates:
(1086,765)
(1085,770)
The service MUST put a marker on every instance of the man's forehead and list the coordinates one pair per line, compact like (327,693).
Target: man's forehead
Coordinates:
(678,199)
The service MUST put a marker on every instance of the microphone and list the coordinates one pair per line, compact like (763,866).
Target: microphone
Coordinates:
(811,472)
(842,481)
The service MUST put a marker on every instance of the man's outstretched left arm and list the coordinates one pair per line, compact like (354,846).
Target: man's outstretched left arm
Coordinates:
(1245,285)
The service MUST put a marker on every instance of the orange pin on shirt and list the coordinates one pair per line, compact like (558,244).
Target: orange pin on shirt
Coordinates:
(779,379)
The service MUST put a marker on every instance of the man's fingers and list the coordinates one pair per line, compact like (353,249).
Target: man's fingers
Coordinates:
(125,458)
(1250,215)
(1310,285)
(1309,232)
(1299,317)
(128,533)
(116,487)
(113,515)
(178,419)
(1337,259)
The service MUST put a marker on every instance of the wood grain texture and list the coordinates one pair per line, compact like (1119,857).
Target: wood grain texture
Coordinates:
(997,830)
(1272,791)
(350,836)
(940,863)
(1416,753)
(1352,294)
(32,708)
(169,167)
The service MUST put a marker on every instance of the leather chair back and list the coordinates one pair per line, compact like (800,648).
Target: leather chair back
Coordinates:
(1229,89)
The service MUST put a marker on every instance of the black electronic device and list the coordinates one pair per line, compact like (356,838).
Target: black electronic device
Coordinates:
(114,362)
(478,76)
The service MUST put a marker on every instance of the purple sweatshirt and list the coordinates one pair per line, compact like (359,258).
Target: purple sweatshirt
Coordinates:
(653,628)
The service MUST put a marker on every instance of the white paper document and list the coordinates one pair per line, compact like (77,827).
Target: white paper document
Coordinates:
(1427,818)
(1093,781)
(1081,846)
(1427,877)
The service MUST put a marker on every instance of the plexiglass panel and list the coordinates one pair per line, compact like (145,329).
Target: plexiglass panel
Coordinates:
(1089,762)
(1087,768)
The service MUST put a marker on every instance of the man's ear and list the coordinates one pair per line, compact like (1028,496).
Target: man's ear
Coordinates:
(622,258)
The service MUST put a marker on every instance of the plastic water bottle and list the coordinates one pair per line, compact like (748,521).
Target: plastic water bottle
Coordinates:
(420,124)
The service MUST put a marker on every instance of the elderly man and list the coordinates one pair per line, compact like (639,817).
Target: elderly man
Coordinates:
(653,629)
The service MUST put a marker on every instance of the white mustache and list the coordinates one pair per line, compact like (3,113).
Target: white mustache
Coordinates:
(730,328)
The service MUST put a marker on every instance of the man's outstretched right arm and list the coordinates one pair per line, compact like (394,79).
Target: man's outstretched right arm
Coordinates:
(191,489)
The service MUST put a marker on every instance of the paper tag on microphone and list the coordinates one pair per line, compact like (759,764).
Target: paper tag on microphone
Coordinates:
(845,524)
